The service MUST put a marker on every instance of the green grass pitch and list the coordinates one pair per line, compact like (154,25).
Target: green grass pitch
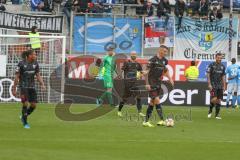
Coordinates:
(194,137)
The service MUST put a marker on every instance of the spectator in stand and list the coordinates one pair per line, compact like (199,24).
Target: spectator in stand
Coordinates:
(97,6)
(148,8)
(201,9)
(48,5)
(2,7)
(67,9)
(179,11)
(139,10)
(108,7)
(37,5)
(81,5)
(164,9)
(215,13)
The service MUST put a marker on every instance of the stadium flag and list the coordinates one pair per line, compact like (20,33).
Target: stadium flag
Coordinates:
(22,22)
(154,29)
(202,40)
(125,34)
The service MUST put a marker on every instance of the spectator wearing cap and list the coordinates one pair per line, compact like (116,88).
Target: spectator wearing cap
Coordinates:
(192,72)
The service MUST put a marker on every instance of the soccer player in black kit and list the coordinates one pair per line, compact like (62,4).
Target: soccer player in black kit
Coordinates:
(132,71)
(156,69)
(26,71)
(216,84)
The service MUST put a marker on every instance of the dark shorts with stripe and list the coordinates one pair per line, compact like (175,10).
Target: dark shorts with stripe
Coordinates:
(131,89)
(217,93)
(28,95)
(155,91)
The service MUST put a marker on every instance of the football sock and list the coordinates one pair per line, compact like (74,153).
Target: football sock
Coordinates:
(24,114)
(139,105)
(234,99)
(110,99)
(218,106)
(238,99)
(159,111)
(149,112)
(228,97)
(210,108)
(103,96)
(120,106)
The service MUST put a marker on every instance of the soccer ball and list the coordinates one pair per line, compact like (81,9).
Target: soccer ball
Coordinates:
(169,122)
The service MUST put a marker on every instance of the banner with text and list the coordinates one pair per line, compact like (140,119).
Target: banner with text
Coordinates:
(48,24)
(203,39)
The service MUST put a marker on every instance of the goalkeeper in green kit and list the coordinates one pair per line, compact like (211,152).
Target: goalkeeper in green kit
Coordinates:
(107,70)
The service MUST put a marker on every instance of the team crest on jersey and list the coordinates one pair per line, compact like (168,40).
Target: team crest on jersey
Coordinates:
(34,66)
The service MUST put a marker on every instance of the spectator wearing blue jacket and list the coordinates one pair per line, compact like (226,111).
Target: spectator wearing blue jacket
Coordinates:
(37,5)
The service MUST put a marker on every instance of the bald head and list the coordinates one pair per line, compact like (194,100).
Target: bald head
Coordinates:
(133,55)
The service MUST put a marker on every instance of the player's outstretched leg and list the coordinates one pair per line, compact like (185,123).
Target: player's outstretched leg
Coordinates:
(139,107)
(146,123)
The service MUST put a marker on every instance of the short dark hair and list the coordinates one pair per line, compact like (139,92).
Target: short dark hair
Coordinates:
(218,54)
(163,46)
(193,63)
(233,60)
(25,54)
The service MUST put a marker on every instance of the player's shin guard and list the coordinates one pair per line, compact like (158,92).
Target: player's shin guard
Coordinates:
(159,111)
(139,105)
(149,112)
(120,106)
(218,106)
(210,108)
(24,114)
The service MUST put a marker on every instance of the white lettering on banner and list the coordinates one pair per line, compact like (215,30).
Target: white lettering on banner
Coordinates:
(12,97)
(177,94)
(201,39)
(179,72)
(190,93)
(25,22)
(77,72)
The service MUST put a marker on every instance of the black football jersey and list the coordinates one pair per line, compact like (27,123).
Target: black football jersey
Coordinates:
(216,71)
(130,69)
(27,73)
(156,68)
